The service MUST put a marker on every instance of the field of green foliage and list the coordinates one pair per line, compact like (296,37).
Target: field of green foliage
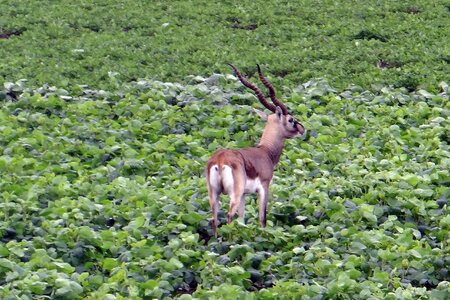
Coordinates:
(387,43)
(109,111)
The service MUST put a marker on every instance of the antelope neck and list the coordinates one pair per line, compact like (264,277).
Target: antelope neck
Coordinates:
(273,143)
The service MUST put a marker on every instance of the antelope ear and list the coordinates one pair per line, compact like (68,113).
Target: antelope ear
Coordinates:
(260,113)
(279,113)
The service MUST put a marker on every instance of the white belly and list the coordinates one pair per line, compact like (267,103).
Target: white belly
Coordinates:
(252,185)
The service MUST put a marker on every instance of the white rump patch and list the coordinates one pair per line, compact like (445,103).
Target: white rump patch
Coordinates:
(224,181)
(227,179)
(214,177)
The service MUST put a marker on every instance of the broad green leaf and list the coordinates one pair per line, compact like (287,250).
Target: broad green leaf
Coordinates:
(6,264)
(192,218)
(110,263)
(3,251)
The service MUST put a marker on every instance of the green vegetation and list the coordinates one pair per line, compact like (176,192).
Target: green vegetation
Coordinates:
(103,195)
(104,141)
(64,43)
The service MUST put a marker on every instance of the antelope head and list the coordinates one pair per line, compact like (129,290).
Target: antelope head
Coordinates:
(250,170)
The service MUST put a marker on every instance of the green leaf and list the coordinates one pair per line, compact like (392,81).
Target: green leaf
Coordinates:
(413,180)
(192,218)
(415,253)
(86,233)
(6,264)
(64,267)
(239,251)
(38,287)
(67,288)
(357,247)
(4,251)
(109,263)
(149,284)
(176,263)
(380,276)
(139,222)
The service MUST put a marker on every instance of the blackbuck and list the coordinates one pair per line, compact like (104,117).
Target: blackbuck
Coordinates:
(250,170)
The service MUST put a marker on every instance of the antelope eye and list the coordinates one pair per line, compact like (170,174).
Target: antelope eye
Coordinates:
(291,120)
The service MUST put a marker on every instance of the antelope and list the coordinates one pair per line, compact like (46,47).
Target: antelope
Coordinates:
(250,170)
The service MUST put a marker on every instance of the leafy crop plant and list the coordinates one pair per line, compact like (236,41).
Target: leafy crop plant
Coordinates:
(103,194)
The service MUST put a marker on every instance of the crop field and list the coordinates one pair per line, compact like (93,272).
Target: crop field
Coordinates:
(110,110)
(65,43)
